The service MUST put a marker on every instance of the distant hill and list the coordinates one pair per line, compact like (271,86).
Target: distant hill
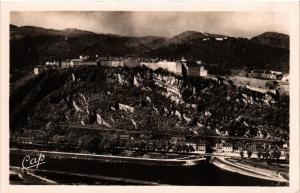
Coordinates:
(34,45)
(20,32)
(227,52)
(188,36)
(273,39)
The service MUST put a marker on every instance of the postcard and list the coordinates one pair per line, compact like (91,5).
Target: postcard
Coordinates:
(147,96)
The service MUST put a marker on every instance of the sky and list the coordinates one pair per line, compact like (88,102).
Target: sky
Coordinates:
(166,24)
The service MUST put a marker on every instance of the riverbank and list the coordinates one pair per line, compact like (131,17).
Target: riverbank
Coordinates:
(222,163)
(67,168)
(180,161)
(19,177)
(271,167)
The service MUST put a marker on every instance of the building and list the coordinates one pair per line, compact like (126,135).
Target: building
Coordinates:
(284,150)
(278,74)
(219,39)
(224,148)
(66,64)
(218,147)
(39,69)
(201,148)
(82,62)
(175,140)
(112,63)
(84,57)
(174,67)
(194,68)
(227,148)
(263,74)
(131,62)
(124,137)
(35,70)
(54,63)
(89,63)
(180,68)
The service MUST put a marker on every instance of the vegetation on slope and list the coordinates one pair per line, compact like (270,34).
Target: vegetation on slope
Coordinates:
(138,101)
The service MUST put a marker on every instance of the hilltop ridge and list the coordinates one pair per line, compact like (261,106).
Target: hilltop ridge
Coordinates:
(34,45)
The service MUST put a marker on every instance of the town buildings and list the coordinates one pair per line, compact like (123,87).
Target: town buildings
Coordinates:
(180,68)
(82,62)
(111,63)
(173,67)
(265,74)
(38,69)
(199,148)
(221,148)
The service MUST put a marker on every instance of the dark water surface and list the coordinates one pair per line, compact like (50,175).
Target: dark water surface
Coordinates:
(203,174)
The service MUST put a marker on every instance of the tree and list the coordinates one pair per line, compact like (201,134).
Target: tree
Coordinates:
(249,153)
(242,153)
(259,154)
(266,154)
(191,148)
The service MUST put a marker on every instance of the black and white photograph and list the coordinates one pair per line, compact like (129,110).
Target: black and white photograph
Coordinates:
(149,98)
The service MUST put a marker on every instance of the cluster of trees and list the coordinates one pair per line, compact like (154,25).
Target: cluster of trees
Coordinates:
(159,145)
(266,153)
(249,153)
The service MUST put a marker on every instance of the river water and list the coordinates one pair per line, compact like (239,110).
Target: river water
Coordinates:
(203,174)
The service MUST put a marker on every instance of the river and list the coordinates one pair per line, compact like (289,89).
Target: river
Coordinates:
(202,174)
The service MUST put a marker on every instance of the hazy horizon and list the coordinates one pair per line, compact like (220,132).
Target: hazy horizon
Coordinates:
(162,24)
